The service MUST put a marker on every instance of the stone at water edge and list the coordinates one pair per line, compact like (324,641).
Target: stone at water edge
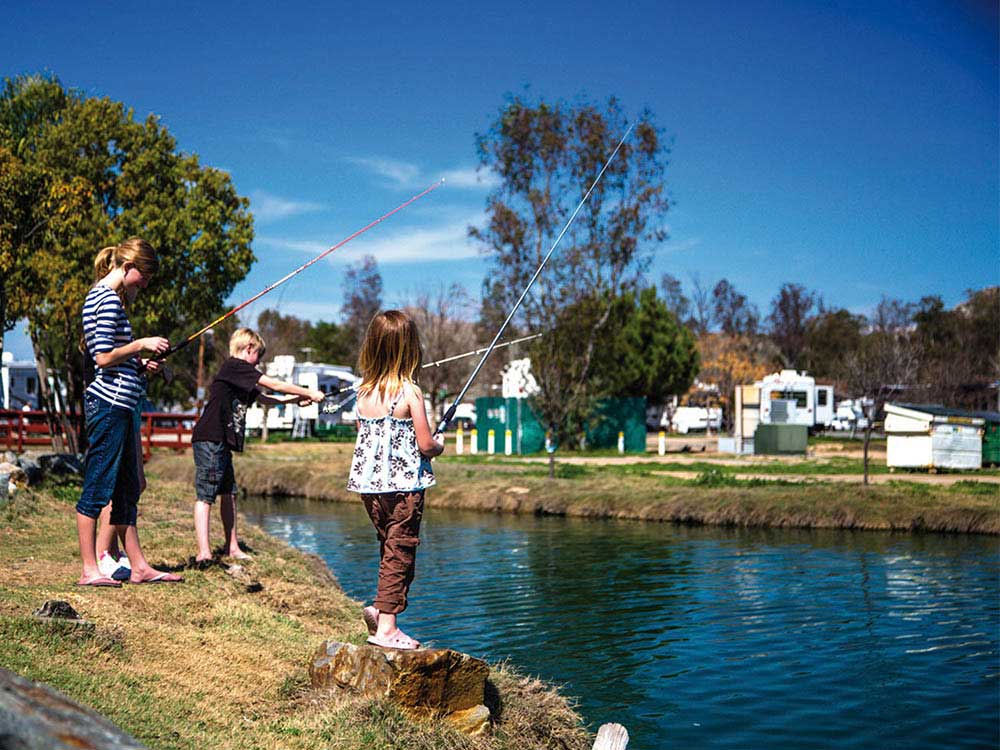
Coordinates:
(34,716)
(425,683)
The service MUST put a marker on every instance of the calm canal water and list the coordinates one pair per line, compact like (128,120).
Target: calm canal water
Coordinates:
(704,637)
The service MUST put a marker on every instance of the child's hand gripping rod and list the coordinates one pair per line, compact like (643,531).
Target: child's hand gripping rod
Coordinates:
(451,410)
(303,267)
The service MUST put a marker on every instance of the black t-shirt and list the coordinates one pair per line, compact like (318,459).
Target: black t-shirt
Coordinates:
(232,391)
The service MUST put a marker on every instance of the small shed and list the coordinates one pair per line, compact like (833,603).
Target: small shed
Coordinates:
(929,436)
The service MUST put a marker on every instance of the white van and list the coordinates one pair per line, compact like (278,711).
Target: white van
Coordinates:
(687,418)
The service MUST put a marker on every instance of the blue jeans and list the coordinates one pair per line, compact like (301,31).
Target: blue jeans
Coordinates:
(111,469)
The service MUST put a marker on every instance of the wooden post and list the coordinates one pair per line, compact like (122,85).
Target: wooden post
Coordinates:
(611,737)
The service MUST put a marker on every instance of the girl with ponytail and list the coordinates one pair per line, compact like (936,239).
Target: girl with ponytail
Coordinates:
(113,463)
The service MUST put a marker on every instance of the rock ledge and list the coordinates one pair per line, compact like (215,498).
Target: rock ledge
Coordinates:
(426,683)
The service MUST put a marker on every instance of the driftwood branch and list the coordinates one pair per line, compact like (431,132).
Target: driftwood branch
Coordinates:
(611,737)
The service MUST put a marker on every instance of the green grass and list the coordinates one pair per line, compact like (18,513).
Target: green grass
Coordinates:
(206,663)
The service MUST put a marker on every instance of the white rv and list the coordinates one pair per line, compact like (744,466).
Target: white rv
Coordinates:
(791,397)
(327,378)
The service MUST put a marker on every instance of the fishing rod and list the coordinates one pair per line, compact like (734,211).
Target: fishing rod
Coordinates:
(328,406)
(303,267)
(451,410)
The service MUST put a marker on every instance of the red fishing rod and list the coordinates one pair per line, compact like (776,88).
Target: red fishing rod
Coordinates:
(300,269)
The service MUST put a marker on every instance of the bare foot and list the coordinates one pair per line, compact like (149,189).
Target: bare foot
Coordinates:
(239,554)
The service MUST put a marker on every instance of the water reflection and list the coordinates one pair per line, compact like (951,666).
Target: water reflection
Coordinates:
(704,637)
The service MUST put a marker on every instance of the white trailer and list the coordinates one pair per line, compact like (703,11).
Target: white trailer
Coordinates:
(327,378)
(932,437)
(791,397)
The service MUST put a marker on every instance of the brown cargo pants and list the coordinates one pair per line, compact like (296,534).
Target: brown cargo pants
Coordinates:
(396,518)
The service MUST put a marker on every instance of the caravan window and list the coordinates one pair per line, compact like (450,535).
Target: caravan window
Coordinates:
(801,398)
(821,397)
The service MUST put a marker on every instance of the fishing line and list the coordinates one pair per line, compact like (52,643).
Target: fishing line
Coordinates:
(298,270)
(328,406)
(451,410)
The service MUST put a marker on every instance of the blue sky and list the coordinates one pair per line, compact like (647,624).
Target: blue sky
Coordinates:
(850,147)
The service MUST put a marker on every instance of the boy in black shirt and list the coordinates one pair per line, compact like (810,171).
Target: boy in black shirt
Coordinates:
(219,432)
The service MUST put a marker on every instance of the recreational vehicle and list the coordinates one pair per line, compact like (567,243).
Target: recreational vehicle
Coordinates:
(304,419)
(791,397)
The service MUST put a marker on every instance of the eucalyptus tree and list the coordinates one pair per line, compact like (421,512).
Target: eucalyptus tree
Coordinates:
(545,155)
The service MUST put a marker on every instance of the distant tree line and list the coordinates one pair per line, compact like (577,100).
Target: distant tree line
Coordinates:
(953,355)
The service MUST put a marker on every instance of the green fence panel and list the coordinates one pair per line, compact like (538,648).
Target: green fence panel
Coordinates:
(626,415)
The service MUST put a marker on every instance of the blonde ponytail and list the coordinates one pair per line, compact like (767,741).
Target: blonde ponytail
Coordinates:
(104,262)
(133,250)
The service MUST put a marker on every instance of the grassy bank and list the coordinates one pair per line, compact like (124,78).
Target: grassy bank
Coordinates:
(207,663)
(713,495)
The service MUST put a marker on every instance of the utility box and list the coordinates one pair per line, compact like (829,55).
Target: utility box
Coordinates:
(780,439)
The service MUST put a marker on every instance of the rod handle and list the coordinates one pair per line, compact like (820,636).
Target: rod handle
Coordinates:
(446,418)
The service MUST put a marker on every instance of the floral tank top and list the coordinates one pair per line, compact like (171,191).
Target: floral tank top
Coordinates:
(386,457)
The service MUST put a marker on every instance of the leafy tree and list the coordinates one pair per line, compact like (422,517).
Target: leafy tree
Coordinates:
(330,343)
(545,156)
(960,348)
(830,338)
(283,334)
(734,313)
(790,311)
(103,176)
(892,316)
(21,192)
(362,300)
(653,355)
(728,361)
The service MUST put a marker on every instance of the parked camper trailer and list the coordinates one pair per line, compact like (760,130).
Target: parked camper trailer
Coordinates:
(791,397)
(18,384)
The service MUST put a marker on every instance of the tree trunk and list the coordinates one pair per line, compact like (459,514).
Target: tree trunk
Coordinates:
(48,403)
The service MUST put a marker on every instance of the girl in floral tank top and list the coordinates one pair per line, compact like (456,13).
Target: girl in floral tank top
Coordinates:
(391,465)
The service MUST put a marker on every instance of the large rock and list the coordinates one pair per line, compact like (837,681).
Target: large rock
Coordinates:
(426,683)
(36,717)
(61,464)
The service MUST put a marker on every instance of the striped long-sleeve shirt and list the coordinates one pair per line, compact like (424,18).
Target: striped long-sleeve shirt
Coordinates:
(106,327)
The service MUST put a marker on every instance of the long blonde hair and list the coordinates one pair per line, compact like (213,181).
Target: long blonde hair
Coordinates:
(390,354)
(134,250)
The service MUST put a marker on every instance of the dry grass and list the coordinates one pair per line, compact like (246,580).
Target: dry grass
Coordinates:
(206,664)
